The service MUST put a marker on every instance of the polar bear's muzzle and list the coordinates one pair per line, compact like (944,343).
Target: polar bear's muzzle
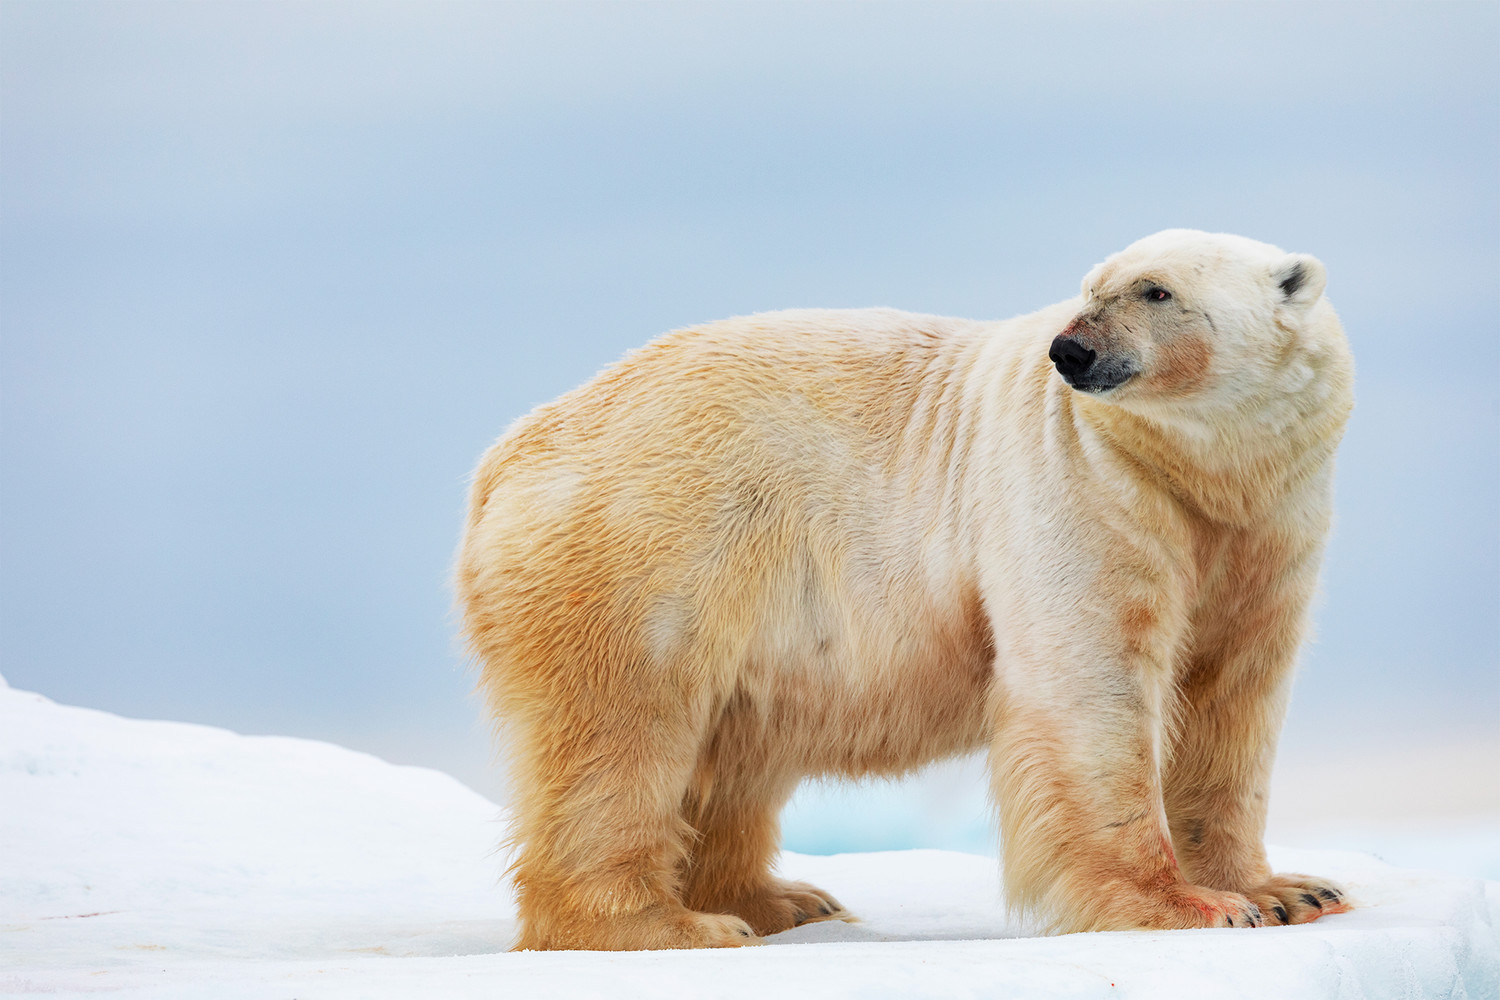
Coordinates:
(1084,368)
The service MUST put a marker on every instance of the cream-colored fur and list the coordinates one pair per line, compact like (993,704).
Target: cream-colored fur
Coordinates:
(853,542)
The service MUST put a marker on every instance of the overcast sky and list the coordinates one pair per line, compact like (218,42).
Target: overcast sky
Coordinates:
(272,275)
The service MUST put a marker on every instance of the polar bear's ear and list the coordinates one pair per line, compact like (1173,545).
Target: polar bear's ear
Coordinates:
(1300,279)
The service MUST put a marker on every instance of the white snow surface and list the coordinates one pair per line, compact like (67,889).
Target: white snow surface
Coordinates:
(160,859)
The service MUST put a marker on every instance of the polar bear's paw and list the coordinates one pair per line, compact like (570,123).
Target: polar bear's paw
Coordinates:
(1196,906)
(1298,899)
(714,930)
(781,905)
(661,925)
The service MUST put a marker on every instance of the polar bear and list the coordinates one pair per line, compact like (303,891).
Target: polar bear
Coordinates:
(853,542)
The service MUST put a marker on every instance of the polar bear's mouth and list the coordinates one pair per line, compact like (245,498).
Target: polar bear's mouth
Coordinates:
(1100,378)
(1099,385)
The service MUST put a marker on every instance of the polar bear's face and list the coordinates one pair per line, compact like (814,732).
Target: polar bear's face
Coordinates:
(1188,314)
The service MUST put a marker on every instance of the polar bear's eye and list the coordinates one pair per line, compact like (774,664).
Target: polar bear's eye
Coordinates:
(1158,294)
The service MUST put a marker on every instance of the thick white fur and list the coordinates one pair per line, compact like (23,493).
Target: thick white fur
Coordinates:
(851,542)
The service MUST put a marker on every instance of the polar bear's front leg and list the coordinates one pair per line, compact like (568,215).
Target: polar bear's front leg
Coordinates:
(1075,765)
(1231,701)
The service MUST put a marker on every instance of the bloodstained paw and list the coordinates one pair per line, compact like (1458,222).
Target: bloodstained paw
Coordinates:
(1200,907)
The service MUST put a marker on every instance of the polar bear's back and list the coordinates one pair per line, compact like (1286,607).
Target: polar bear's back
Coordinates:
(746,403)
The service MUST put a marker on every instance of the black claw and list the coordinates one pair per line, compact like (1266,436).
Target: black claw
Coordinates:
(1230,919)
(825,909)
(1281,913)
(744,933)
(1257,919)
(1311,900)
(1329,895)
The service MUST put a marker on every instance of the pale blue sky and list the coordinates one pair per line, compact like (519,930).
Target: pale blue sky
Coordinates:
(272,276)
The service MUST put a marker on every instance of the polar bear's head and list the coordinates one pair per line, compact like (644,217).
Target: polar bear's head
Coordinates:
(1202,317)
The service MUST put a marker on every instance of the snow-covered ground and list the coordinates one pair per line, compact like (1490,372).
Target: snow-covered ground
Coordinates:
(160,859)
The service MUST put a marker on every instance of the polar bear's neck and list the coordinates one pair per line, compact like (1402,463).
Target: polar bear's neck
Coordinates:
(1237,469)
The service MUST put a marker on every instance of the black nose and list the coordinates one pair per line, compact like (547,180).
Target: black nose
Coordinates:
(1071,358)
